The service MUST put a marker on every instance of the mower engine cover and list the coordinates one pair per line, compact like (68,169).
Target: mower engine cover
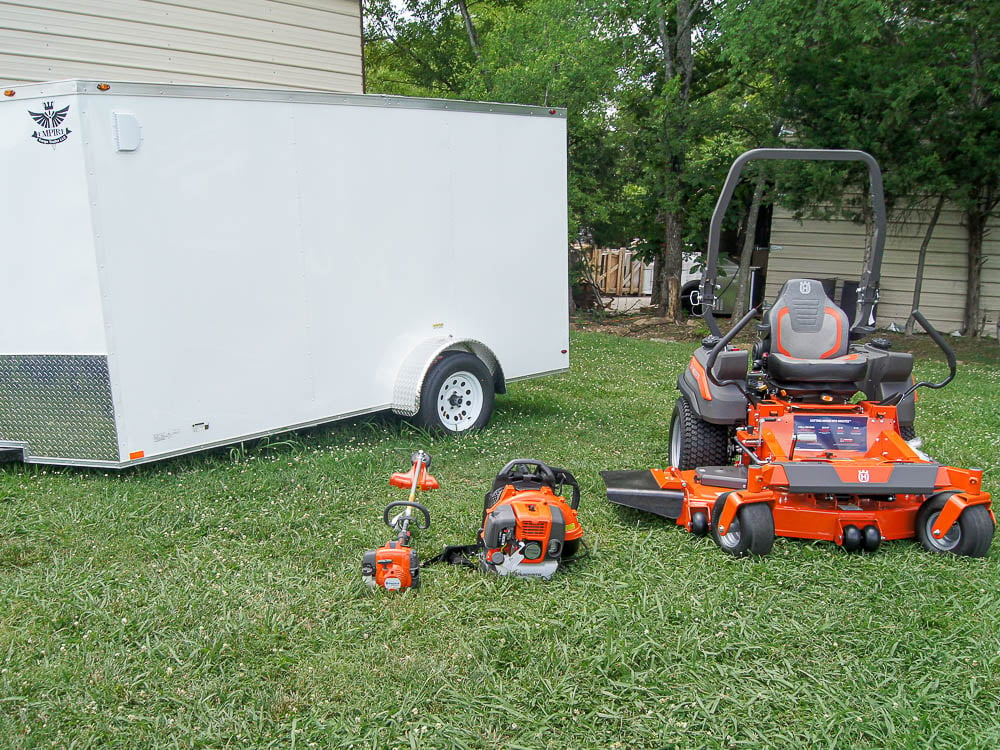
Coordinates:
(393,567)
(528,529)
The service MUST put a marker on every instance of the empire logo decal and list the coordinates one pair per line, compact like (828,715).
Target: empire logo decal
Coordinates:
(50,119)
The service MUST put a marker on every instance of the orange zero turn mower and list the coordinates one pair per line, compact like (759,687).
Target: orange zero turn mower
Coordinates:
(772,442)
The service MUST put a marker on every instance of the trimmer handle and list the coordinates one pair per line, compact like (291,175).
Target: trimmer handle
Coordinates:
(406,504)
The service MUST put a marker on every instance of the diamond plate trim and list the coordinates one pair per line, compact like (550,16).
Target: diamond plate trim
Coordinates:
(410,378)
(59,405)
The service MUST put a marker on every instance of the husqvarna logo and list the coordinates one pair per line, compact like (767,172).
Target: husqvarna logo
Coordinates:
(863,475)
(805,287)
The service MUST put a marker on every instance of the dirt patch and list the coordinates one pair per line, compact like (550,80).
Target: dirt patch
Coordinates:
(642,325)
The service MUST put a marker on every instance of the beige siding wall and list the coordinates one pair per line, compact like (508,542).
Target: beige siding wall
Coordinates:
(303,44)
(833,249)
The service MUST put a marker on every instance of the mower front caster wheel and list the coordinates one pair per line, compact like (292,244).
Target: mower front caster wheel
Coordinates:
(970,535)
(750,533)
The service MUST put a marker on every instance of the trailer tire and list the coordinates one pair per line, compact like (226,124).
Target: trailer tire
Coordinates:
(457,394)
(695,442)
(970,536)
(751,532)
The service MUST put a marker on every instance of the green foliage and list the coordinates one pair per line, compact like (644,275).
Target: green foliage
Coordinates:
(662,96)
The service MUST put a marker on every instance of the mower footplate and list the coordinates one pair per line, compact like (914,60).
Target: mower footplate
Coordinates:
(640,490)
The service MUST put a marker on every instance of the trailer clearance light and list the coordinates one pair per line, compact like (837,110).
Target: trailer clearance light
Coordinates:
(8,92)
(104,87)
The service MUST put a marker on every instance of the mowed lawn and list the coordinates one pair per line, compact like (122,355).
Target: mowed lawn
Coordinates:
(216,600)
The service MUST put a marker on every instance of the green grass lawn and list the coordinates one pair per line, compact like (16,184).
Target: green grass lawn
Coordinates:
(216,600)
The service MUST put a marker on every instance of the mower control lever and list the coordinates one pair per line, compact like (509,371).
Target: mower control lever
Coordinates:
(949,354)
(721,345)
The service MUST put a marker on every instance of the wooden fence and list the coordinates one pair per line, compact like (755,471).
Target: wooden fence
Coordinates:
(617,272)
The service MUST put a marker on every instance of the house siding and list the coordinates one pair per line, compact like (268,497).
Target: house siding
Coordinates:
(833,250)
(296,44)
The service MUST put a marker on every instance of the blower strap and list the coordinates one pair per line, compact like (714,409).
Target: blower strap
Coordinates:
(464,555)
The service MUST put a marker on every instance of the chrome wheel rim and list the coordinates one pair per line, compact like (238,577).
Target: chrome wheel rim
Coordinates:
(675,441)
(731,538)
(946,543)
(460,401)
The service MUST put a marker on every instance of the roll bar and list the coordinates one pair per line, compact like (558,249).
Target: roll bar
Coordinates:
(869,274)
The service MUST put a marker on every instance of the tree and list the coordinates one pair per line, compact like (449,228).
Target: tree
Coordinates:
(961,41)
(912,82)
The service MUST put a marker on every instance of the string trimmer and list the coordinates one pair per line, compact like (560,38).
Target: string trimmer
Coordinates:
(395,565)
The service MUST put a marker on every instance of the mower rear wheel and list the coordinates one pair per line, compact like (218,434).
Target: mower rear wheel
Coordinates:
(695,442)
(750,533)
(970,536)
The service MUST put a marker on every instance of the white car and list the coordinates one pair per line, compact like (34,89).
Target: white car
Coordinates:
(725,291)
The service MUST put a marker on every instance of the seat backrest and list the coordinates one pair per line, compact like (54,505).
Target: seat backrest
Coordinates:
(805,324)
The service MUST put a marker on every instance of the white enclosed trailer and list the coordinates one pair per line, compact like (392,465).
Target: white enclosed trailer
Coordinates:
(187,266)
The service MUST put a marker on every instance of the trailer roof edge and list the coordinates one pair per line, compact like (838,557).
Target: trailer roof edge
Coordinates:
(198,91)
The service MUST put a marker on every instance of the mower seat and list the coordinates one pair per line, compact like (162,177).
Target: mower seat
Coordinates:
(809,338)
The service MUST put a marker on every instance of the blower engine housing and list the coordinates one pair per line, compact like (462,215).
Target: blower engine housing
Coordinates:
(528,528)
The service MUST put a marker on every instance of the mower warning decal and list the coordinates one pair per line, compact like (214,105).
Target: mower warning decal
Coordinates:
(831,433)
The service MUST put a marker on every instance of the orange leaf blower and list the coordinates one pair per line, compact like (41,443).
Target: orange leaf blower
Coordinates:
(528,527)
(395,565)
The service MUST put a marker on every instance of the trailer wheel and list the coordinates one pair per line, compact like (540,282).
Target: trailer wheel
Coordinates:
(970,535)
(695,442)
(751,532)
(457,394)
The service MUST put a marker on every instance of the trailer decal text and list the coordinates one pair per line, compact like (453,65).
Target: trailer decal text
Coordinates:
(50,119)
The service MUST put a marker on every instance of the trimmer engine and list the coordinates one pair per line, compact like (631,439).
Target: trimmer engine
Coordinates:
(528,527)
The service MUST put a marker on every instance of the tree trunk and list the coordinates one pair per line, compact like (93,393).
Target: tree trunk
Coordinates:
(673,253)
(477,49)
(975,225)
(921,258)
(659,282)
(749,241)
(678,62)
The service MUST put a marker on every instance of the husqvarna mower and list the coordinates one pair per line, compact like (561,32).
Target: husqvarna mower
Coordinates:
(775,442)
